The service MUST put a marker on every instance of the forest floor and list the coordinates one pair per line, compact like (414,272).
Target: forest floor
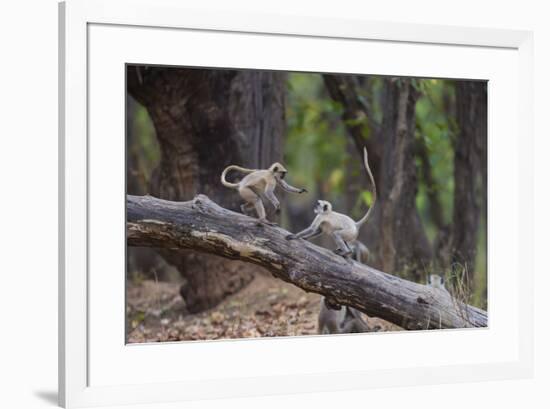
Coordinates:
(267,307)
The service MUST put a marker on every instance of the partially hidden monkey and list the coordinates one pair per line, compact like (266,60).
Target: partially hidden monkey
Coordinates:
(347,319)
(258,182)
(360,252)
(436,281)
(343,321)
(342,228)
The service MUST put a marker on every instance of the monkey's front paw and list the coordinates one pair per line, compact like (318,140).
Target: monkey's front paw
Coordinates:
(278,210)
(290,237)
(303,190)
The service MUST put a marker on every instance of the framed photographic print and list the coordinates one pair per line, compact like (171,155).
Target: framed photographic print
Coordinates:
(266,200)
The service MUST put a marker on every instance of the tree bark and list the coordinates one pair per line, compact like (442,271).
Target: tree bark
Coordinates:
(405,247)
(470,172)
(206,120)
(204,226)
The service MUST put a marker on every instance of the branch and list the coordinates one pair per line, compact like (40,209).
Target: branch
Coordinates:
(204,226)
(356,110)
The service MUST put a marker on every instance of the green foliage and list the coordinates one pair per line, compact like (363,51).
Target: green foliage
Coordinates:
(367,197)
(145,145)
(315,146)
(435,130)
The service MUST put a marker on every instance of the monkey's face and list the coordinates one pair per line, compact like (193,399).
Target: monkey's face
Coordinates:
(278,170)
(436,280)
(322,207)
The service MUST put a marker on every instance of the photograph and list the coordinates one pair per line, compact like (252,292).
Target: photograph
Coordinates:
(259,204)
(267,203)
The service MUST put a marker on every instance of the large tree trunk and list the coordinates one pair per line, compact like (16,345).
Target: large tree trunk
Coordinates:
(470,173)
(206,120)
(204,226)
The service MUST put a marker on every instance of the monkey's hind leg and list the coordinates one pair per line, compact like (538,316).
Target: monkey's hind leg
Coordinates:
(247,208)
(343,248)
(262,220)
(254,200)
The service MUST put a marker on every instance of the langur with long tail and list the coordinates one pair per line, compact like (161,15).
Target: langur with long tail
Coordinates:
(258,182)
(342,228)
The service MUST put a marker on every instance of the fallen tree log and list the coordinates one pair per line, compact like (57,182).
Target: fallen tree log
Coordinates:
(202,225)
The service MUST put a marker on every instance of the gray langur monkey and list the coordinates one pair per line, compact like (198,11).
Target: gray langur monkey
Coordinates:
(343,321)
(436,281)
(258,182)
(342,228)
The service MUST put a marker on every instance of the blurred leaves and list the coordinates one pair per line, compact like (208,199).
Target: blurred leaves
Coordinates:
(315,148)
(143,149)
(366,196)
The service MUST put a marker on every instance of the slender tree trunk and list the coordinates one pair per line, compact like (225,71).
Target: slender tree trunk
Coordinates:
(206,120)
(405,248)
(470,172)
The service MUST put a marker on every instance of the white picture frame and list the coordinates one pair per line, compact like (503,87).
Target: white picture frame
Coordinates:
(103,377)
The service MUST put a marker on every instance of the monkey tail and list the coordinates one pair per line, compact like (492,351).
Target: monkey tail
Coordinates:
(233,167)
(367,167)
